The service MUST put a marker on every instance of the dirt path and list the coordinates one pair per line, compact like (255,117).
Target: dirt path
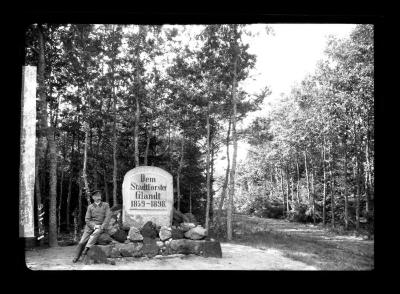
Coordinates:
(235,257)
(260,244)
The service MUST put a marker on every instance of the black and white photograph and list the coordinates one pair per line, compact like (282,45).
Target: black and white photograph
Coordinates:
(216,146)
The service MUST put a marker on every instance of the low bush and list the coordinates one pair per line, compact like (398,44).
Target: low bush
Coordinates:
(300,213)
(263,207)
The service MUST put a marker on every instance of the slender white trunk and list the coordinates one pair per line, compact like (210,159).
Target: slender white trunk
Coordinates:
(208,168)
(234,139)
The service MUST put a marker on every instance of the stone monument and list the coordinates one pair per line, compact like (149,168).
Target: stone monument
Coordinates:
(147,194)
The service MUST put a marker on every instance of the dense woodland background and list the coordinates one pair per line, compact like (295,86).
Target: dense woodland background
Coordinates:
(112,97)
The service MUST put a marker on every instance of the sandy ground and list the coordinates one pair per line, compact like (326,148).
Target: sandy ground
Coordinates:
(235,257)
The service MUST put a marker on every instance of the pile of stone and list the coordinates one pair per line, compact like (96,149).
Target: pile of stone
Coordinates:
(151,240)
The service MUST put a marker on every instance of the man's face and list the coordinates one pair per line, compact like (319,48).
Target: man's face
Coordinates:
(97,198)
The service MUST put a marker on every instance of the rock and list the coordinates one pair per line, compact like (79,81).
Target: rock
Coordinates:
(115,252)
(95,255)
(196,233)
(125,228)
(185,246)
(179,217)
(106,249)
(186,226)
(104,239)
(149,230)
(191,218)
(120,236)
(115,219)
(113,226)
(212,249)
(165,233)
(150,248)
(112,230)
(130,249)
(134,234)
(177,233)
(160,244)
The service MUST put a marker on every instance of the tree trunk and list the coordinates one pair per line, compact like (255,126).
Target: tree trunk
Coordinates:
(38,194)
(97,165)
(106,188)
(307,179)
(70,184)
(234,139)
(298,180)
(115,167)
(271,175)
(84,170)
(346,199)
(324,172)
(367,176)
(137,112)
(357,167)
(283,193)
(137,117)
(313,193)
(42,127)
(114,132)
(357,170)
(80,206)
(69,201)
(53,190)
(287,183)
(60,200)
(332,182)
(76,225)
(146,151)
(169,144)
(178,196)
(178,186)
(224,187)
(292,189)
(208,168)
(211,184)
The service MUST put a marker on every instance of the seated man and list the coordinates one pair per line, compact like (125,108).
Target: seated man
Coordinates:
(96,218)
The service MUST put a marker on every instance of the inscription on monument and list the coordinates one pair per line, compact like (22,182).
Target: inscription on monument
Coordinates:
(147,195)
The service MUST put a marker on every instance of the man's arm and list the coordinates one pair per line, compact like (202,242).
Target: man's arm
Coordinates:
(108,216)
(88,218)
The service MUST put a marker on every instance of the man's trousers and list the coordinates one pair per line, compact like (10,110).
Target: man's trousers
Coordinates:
(90,236)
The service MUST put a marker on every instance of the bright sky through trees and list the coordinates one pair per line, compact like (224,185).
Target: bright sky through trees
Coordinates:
(283,59)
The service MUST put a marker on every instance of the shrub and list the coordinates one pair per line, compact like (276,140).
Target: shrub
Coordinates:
(300,213)
(263,207)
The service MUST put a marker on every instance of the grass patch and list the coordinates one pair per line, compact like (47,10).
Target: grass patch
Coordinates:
(324,254)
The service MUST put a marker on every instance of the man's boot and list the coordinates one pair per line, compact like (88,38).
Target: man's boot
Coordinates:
(78,252)
(85,251)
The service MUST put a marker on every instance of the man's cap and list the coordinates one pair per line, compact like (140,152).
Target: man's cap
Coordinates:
(95,192)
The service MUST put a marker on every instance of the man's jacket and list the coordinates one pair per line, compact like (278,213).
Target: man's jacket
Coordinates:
(98,215)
